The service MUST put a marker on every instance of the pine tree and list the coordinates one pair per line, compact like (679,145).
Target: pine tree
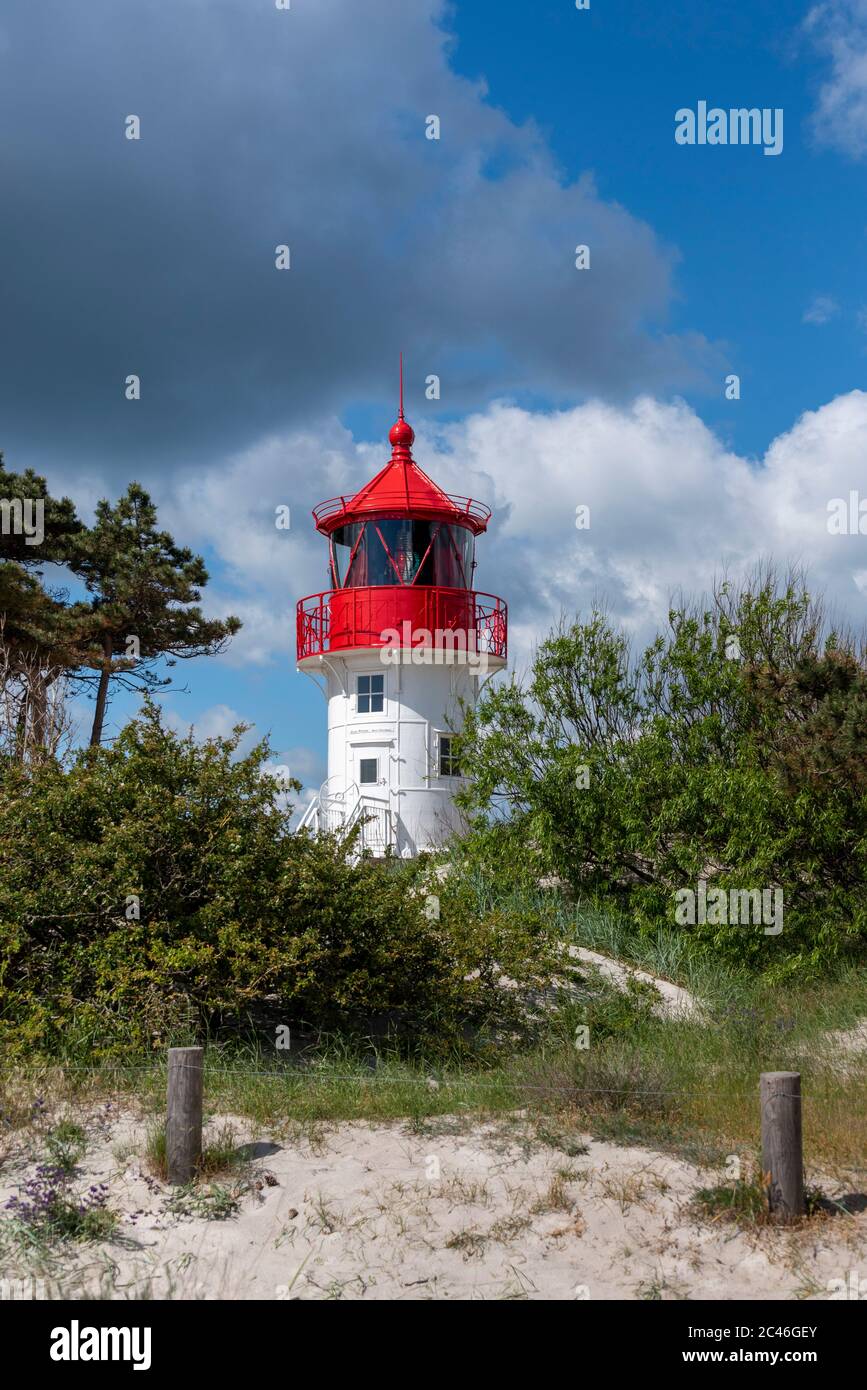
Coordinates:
(39,630)
(144,606)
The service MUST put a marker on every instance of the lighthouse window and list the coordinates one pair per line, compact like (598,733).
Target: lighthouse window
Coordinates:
(347,551)
(370,694)
(396,550)
(453,557)
(368,771)
(402,551)
(448,757)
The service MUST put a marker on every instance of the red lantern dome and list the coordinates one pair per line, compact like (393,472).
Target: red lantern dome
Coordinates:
(402,552)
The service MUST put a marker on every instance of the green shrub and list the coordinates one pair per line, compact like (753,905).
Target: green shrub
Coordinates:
(153,892)
(732,750)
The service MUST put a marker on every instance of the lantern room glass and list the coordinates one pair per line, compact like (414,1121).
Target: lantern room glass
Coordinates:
(402,551)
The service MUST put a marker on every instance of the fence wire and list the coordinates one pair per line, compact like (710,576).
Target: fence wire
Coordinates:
(446,1082)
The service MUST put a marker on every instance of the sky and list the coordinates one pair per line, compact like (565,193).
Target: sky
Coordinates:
(608,386)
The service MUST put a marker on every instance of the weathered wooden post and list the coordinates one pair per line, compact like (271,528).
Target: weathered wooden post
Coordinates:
(782,1143)
(184,1112)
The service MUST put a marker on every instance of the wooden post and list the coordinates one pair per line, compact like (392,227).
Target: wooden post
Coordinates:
(184,1112)
(782,1143)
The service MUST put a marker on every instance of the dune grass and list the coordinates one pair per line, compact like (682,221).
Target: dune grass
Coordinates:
(687,1085)
(684,1086)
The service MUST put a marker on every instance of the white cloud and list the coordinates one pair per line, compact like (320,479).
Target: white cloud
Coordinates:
(306,764)
(670,505)
(821,309)
(217,721)
(838,28)
(232,511)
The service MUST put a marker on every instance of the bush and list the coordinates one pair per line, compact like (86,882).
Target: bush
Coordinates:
(732,750)
(153,892)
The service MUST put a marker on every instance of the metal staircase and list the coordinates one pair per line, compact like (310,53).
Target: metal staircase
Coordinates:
(330,812)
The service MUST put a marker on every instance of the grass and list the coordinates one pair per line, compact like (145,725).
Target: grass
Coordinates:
(660,1290)
(221,1157)
(212,1201)
(48,1211)
(665,954)
(555,1198)
(688,1087)
(745,1202)
(470,1243)
(219,1152)
(557,1137)
(685,1086)
(66,1144)
(679,1086)
(740,1201)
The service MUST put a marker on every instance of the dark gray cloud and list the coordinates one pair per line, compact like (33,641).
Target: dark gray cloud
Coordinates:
(304,127)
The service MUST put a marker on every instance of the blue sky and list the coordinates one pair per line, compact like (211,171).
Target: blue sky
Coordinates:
(758,237)
(559,387)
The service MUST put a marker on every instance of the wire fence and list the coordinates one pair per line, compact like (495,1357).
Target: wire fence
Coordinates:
(186,1070)
(443,1081)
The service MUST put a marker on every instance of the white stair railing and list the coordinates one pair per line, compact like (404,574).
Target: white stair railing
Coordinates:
(376,824)
(341,811)
(310,819)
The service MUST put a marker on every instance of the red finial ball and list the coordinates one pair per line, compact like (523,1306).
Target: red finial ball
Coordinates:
(401,433)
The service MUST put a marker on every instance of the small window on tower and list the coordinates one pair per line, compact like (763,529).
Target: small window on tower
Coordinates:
(368,771)
(370,694)
(448,757)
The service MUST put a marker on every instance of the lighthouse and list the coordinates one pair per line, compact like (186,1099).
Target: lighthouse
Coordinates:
(399,644)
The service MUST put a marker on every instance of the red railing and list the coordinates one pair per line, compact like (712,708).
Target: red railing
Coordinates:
(340,619)
(475,512)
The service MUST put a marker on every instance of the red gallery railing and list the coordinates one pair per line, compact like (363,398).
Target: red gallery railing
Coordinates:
(463,507)
(340,619)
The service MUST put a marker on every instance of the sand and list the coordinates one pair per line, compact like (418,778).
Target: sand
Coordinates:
(460,1210)
(674,1002)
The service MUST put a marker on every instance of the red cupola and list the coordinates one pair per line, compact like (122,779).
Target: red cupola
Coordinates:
(401,551)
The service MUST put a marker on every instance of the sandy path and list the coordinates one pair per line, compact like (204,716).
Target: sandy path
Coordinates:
(676,1001)
(486,1211)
